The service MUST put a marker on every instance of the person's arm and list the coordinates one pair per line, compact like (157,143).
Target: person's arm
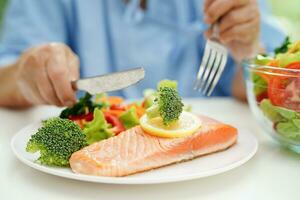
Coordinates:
(268,27)
(243,31)
(39,75)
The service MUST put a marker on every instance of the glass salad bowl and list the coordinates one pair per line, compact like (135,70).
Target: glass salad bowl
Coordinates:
(274,97)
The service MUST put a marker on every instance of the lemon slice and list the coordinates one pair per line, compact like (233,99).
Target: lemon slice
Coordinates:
(187,124)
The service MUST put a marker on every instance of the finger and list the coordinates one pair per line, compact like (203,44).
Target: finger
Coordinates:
(207,3)
(30,92)
(58,73)
(73,61)
(29,68)
(35,96)
(219,8)
(208,33)
(46,89)
(244,33)
(238,16)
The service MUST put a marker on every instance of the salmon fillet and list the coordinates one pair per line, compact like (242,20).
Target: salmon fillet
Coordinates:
(135,151)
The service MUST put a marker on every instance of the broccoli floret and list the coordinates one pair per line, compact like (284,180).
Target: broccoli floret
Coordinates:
(167,83)
(167,105)
(56,140)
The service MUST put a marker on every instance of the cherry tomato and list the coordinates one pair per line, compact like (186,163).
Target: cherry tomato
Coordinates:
(284,90)
(117,126)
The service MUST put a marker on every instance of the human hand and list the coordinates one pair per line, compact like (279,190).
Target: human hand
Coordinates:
(239,25)
(44,74)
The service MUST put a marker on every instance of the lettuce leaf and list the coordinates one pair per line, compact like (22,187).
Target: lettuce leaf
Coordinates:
(287,58)
(270,111)
(287,122)
(288,129)
(262,60)
(97,129)
(260,84)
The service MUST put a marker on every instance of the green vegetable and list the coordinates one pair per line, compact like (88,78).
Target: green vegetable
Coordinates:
(97,129)
(187,107)
(276,113)
(284,47)
(149,97)
(262,60)
(260,84)
(130,118)
(56,140)
(83,104)
(287,58)
(287,122)
(297,123)
(167,105)
(287,113)
(288,129)
(270,111)
(100,96)
(150,94)
(167,83)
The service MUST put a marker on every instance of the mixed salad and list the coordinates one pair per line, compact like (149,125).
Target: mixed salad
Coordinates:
(277,89)
(92,119)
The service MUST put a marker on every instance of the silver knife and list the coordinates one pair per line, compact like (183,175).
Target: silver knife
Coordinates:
(110,82)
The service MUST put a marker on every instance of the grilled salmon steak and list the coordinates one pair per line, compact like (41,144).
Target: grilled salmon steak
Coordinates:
(135,151)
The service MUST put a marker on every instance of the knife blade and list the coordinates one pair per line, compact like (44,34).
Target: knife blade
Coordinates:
(110,82)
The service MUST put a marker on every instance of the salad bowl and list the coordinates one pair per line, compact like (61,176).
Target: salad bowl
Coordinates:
(273,92)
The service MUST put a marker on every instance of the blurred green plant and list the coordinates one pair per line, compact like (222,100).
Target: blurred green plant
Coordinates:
(2,9)
(288,15)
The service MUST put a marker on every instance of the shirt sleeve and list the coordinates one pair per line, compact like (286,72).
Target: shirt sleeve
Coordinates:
(28,23)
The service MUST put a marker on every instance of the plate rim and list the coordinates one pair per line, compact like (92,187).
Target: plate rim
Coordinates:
(131,181)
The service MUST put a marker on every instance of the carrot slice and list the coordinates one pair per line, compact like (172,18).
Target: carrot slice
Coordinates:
(115,113)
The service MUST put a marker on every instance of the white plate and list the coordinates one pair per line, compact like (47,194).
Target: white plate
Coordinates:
(200,167)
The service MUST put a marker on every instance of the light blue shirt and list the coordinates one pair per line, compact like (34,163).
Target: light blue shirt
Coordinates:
(109,35)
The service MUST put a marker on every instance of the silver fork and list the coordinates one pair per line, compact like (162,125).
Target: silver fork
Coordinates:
(212,64)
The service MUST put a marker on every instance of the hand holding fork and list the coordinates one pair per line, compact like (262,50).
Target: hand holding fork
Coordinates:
(235,26)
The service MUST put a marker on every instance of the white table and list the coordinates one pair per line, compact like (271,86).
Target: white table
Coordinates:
(274,172)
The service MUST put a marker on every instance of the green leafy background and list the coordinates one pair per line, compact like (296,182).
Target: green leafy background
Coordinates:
(2,9)
(286,12)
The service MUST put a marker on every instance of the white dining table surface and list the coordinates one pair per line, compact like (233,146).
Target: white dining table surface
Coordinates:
(273,173)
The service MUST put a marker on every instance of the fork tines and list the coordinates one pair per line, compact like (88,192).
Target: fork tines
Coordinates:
(211,67)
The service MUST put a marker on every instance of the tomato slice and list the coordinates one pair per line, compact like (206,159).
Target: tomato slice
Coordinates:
(284,90)
(262,96)
(117,126)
